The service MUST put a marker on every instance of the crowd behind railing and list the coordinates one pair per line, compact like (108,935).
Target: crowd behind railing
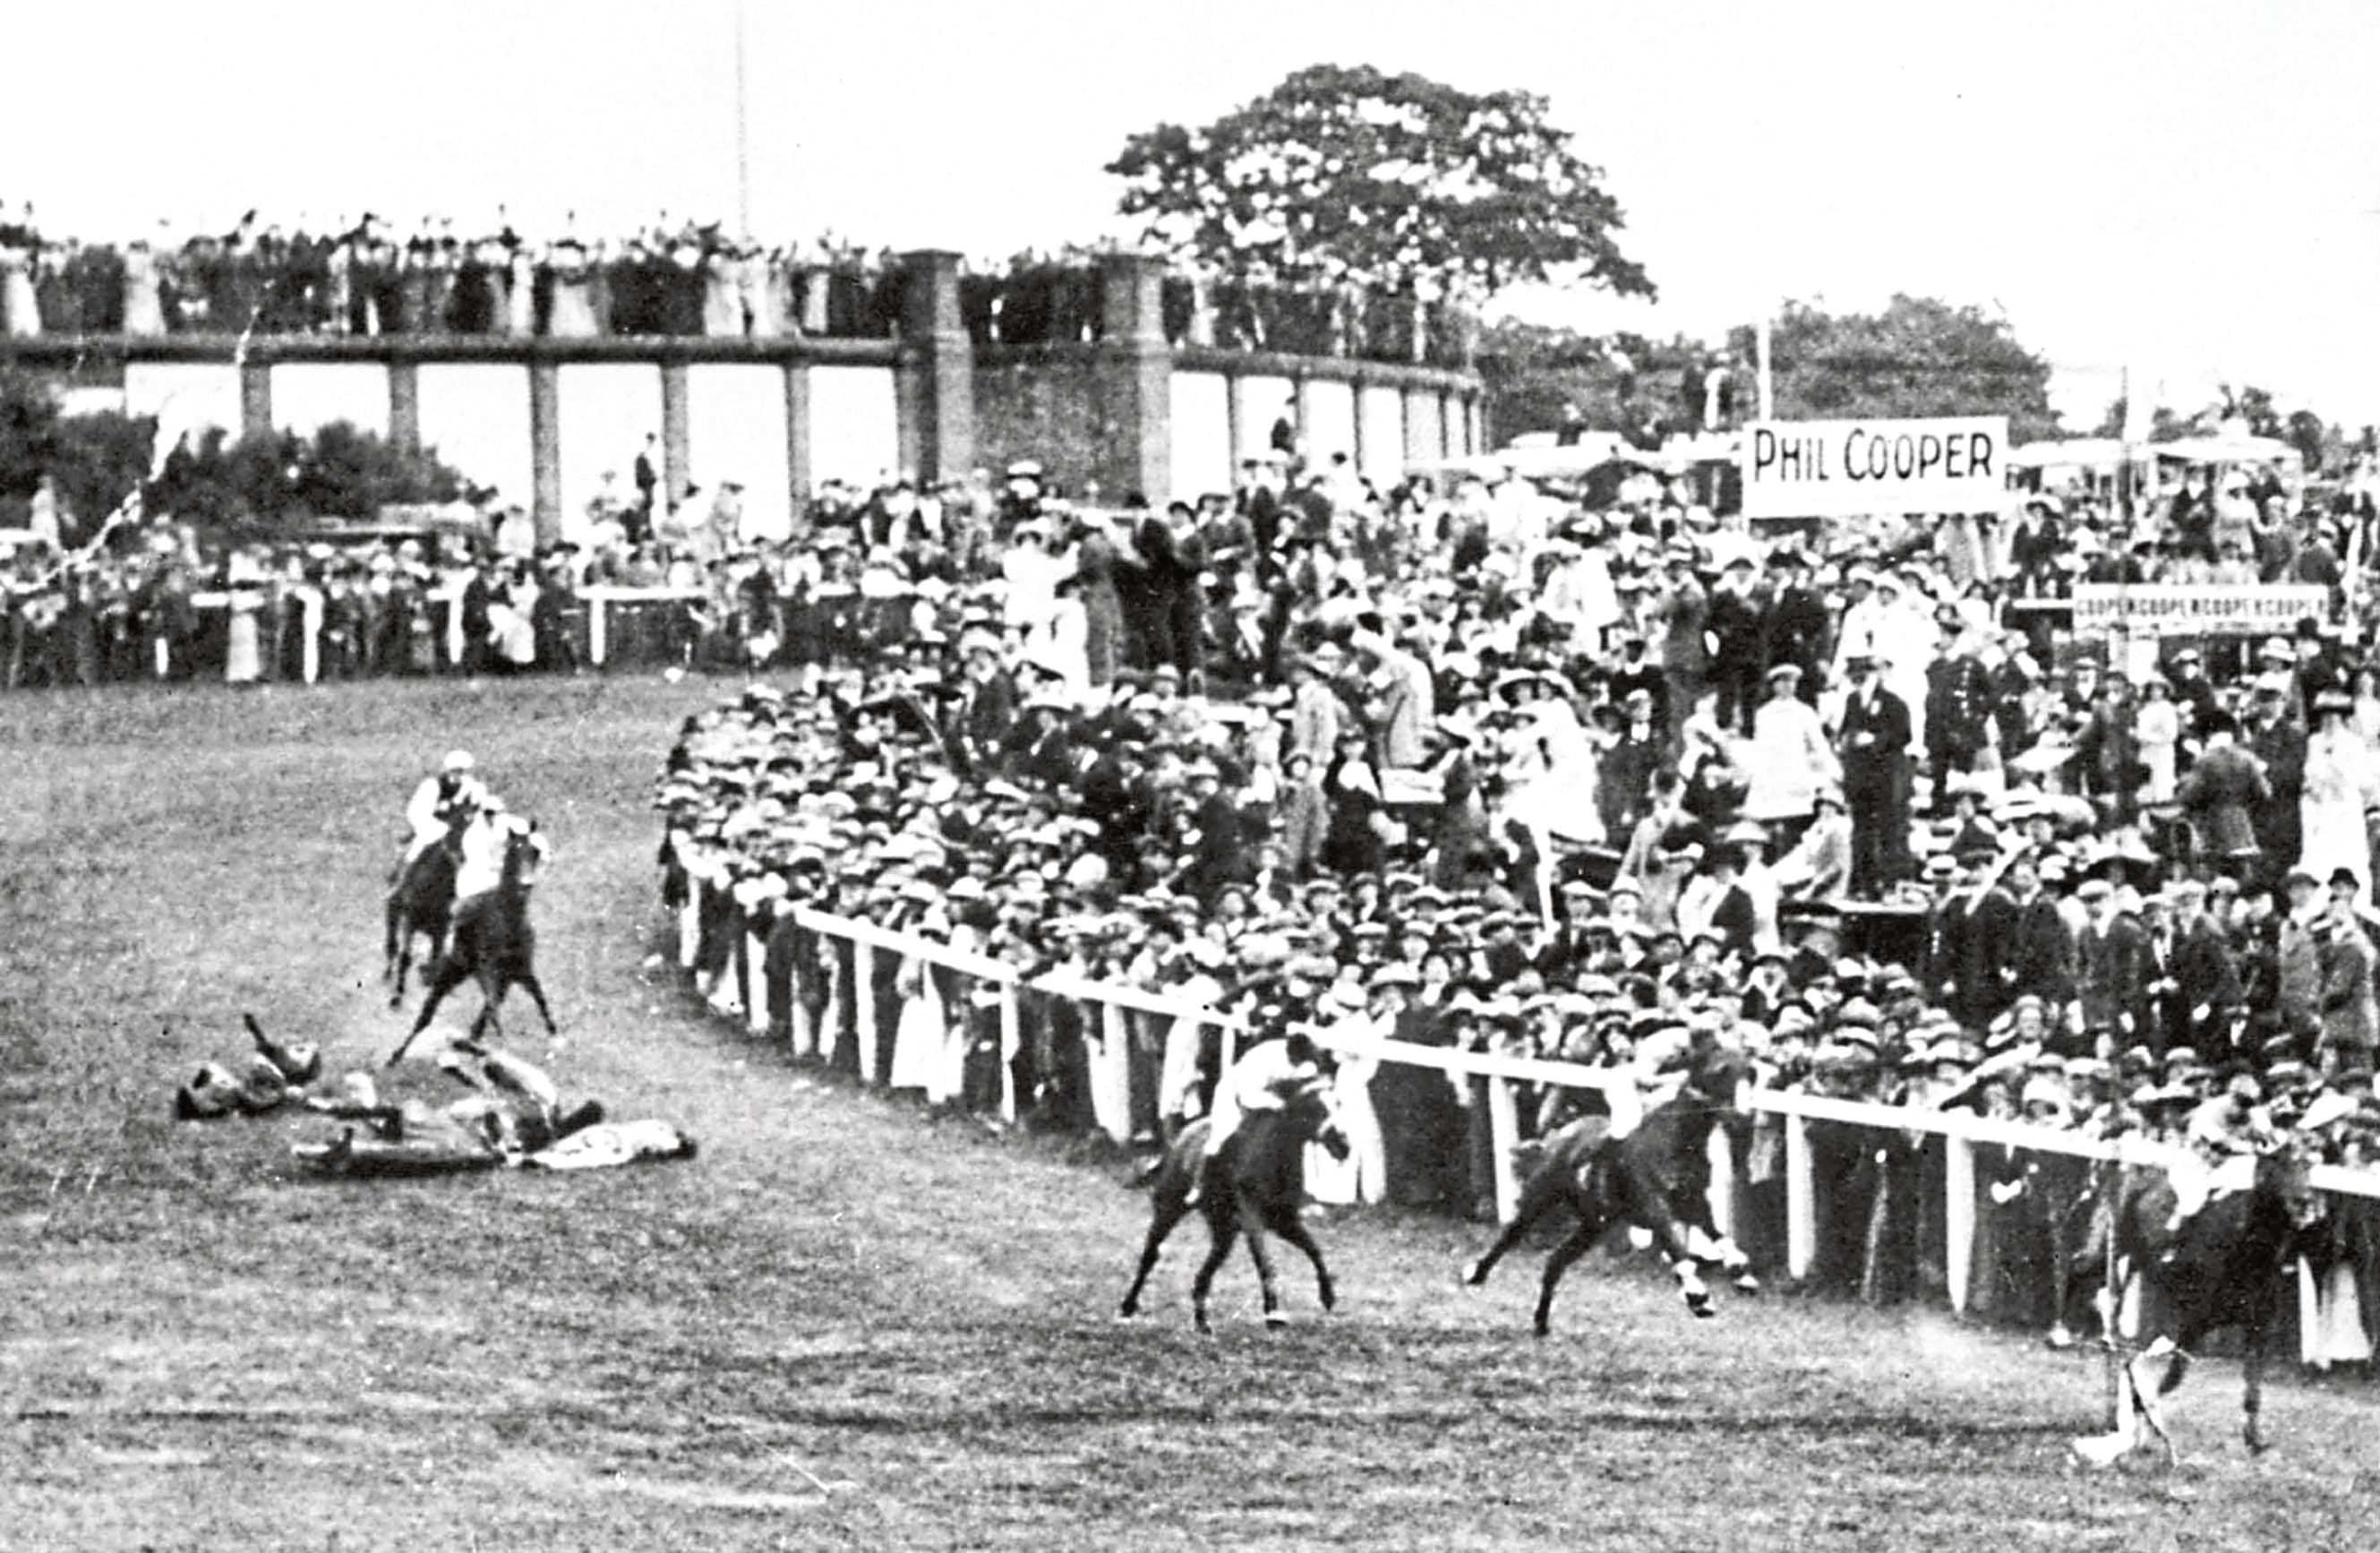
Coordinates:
(673,279)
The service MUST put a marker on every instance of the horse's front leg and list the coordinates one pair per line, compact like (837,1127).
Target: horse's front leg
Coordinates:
(1222,1231)
(528,982)
(1532,1208)
(1292,1229)
(440,984)
(1252,1226)
(1676,1238)
(1582,1240)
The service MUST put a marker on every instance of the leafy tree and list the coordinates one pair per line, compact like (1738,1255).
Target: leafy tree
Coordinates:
(1920,357)
(265,485)
(1642,388)
(1398,182)
(96,460)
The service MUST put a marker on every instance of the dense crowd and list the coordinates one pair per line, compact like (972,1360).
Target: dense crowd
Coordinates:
(675,278)
(1490,771)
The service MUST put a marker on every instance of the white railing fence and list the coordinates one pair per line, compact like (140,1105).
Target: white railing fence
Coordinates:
(735,938)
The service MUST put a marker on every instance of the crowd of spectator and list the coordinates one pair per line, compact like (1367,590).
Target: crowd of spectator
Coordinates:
(675,278)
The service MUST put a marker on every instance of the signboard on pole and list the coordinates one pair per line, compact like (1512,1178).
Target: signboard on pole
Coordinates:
(1855,468)
(2153,608)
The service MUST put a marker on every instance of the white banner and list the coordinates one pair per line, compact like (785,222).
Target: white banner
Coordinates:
(2205,609)
(1852,469)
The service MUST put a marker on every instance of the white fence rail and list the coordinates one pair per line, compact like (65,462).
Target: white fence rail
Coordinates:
(1962,1132)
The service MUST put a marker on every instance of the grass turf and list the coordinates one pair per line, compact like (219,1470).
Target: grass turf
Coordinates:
(845,1324)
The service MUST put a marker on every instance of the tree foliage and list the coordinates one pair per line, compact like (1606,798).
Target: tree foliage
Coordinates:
(264,485)
(96,460)
(1394,181)
(1920,357)
(1538,377)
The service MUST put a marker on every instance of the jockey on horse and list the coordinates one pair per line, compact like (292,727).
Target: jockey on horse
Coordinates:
(1266,1076)
(454,793)
(2222,1139)
(482,867)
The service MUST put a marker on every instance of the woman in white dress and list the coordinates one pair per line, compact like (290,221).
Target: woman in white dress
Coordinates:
(1791,759)
(571,315)
(243,654)
(2341,781)
(21,310)
(144,303)
(2157,726)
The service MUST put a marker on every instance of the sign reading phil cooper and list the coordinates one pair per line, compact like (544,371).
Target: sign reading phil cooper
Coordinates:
(1846,468)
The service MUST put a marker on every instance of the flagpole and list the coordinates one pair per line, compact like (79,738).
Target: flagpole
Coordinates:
(743,138)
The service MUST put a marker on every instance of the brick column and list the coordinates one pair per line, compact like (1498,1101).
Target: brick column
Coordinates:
(405,405)
(936,390)
(255,398)
(677,442)
(797,432)
(545,447)
(1235,422)
(1135,379)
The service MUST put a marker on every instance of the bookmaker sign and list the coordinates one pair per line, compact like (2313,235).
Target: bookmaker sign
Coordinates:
(2203,610)
(1847,468)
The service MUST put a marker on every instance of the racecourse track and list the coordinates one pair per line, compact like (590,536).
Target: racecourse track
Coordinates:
(847,1324)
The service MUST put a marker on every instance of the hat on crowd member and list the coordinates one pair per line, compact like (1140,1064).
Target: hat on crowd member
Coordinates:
(1785,673)
(2276,648)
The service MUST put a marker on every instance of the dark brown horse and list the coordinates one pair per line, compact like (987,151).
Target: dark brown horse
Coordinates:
(1255,1185)
(494,943)
(2228,1267)
(422,902)
(1656,1178)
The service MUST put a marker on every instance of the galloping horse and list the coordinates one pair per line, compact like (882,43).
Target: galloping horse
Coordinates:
(422,900)
(1656,1178)
(1255,1183)
(2225,1268)
(494,943)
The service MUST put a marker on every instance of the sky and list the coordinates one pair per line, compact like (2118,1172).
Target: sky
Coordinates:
(2188,191)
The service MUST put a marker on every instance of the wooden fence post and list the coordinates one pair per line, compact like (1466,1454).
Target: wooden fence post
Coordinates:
(1801,1201)
(1011,1043)
(863,1008)
(1959,1219)
(1503,1135)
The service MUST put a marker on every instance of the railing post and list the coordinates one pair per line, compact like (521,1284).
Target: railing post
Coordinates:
(755,978)
(1112,1075)
(598,629)
(1503,1137)
(1723,1204)
(1011,1043)
(689,917)
(1959,1217)
(1801,1201)
(863,1008)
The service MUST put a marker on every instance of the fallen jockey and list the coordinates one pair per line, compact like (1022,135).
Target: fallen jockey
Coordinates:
(514,1116)
(261,1081)
(1266,1076)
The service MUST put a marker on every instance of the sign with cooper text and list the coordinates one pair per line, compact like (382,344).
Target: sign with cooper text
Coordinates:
(2151,609)
(1853,468)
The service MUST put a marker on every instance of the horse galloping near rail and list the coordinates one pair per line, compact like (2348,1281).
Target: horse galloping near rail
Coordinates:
(492,943)
(2226,1268)
(422,902)
(1255,1185)
(1656,1178)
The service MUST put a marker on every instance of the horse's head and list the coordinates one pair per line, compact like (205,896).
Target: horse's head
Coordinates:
(2284,1175)
(524,850)
(1315,1109)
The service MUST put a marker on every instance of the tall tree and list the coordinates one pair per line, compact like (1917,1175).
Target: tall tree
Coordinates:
(1919,357)
(1396,181)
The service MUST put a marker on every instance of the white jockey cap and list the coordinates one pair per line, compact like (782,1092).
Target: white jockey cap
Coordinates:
(490,804)
(459,760)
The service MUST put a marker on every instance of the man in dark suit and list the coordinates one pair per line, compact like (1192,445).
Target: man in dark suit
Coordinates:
(1985,922)
(2205,974)
(2113,961)
(1795,626)
(1875,750)
(2042,958)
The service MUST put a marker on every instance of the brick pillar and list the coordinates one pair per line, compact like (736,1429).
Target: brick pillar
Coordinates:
(405,405)
(797,433)
(545,448)
(255,398)
(677,444)
(1135,379)
(937,387)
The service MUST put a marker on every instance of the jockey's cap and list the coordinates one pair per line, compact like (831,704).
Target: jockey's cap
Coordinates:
(459,760)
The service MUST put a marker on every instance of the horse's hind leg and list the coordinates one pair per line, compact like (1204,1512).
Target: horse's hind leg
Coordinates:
(1168,1214)
(1269,1290)
(1533,1206)
(1222,1231)
(1294,1230)
(1580,1240)
(2251,1402)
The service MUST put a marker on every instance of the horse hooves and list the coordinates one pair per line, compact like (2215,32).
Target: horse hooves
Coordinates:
(1747,1284)
(2101,1450)
(1700,1306)
(1541,1328)
(1275,1320)
(1473,1274)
